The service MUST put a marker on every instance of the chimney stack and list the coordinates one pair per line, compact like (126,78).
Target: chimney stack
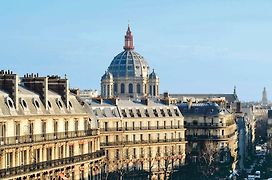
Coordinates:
(38,85)
(60,86)
(9,82)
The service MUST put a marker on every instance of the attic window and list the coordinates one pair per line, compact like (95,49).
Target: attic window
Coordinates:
(36,103)
(146,113)
(162,112)
(59,103)
(155,112)
(23,103)
(124,113)
(169,112)
(176,112)
(9,102)
(138,113)
(70,104)
(49,104)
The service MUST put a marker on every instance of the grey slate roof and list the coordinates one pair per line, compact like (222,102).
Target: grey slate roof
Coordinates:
(201,109)
(229,97)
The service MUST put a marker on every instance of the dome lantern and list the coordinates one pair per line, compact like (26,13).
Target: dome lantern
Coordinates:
(128,40)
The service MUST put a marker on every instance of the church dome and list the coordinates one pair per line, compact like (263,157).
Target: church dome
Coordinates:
(129,63)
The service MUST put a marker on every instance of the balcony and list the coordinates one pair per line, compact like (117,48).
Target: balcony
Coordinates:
(19,170)
(103,130)
(209,137)
(35,138)
(152,141)
(205,125)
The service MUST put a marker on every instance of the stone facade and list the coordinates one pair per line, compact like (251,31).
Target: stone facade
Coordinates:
(45,133)
(143,137)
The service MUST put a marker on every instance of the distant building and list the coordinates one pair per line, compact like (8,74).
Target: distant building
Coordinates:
(208,122)
(228,101)
(128,74)
(264,97)
(88,93)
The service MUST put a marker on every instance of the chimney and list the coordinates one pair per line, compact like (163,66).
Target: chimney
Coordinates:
(60,86)
(75,91)
(9,82)
(38,85)
(114,101)
(145,101)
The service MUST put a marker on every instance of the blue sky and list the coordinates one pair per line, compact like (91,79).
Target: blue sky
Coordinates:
(195,46)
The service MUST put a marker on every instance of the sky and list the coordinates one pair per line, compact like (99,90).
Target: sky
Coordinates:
(194,46)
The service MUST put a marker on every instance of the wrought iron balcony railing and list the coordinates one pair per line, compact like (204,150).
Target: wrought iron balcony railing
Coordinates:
(140,128)
(19,170)
(116,143)
(46,137)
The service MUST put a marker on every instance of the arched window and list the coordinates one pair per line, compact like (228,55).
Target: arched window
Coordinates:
(150,90)
(122,88)
(130,88)
(108,90)
(115,88)
(154,90)
(138,88)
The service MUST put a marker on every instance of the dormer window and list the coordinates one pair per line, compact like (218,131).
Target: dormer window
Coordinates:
(9,103)
(124,113)
(131,113)
(146,113)
(59,103)
(169,112)
(70,104)
(23,103)
(155,112)
(36,103)
(176,112)
(49,104)
(162,112)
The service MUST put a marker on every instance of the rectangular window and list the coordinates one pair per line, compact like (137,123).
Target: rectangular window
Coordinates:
(17,130)
(148,125)
(81,149)
(126,126)
(90,146)
(9,160)
(134,152)
(66,127)
(133,125)
(134,138)
(31,127)
(76,126)
(117,154)
(55,127)
(106,126)
(71,150)
(43,127)
(141,125)
(117,126)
